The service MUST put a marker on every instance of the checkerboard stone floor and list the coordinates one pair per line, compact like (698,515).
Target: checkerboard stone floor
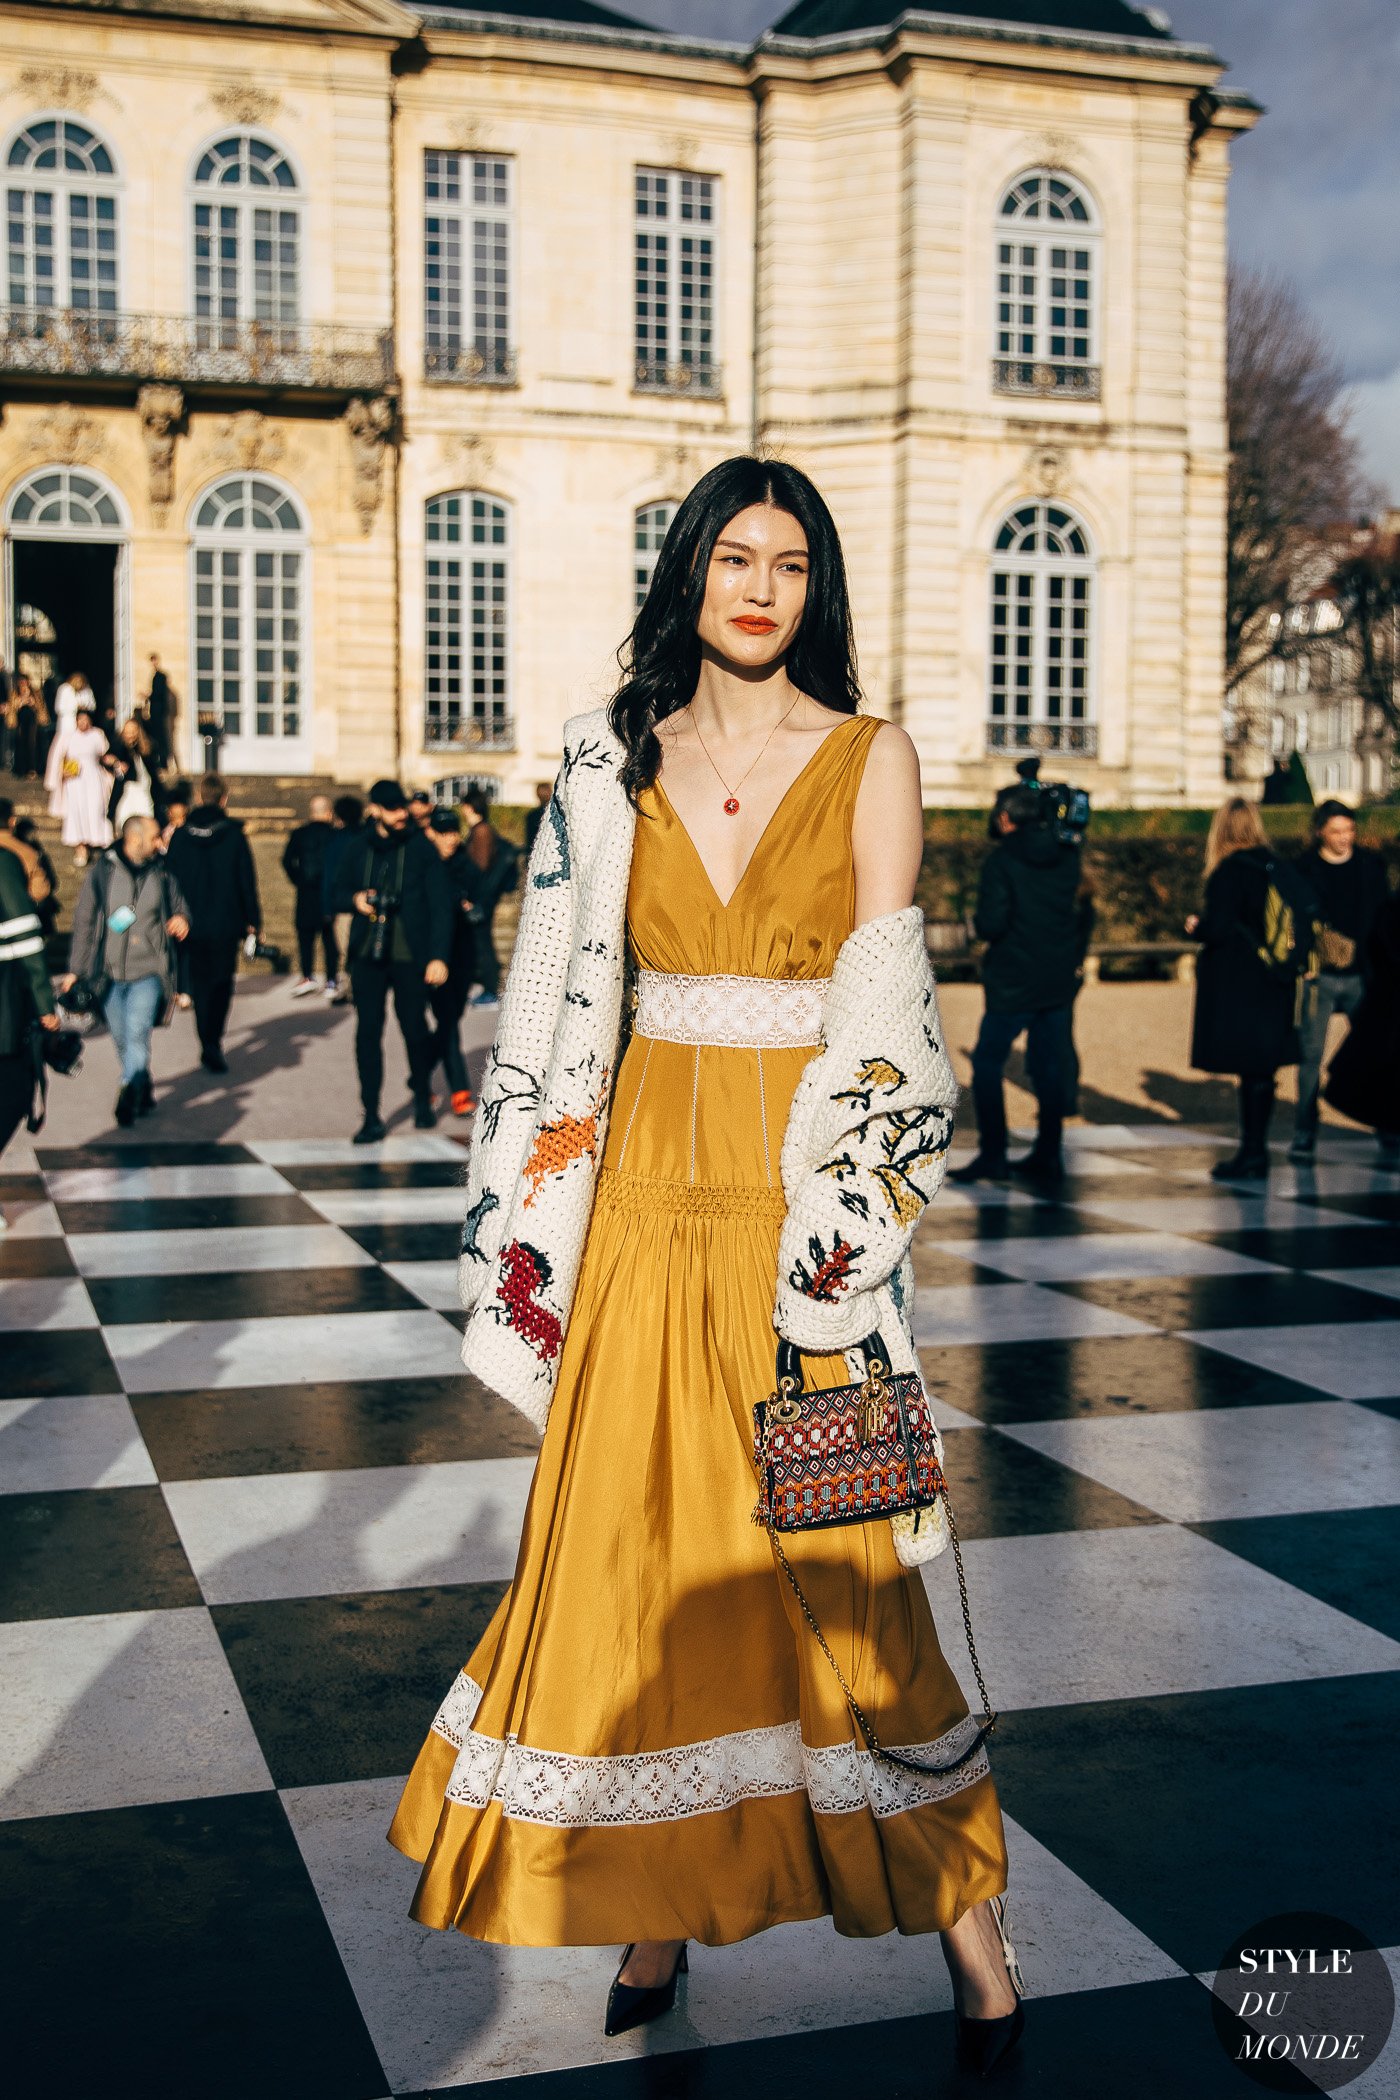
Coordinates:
(254,1517)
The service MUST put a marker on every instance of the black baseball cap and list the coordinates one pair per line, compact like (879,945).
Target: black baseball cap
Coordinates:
(387,794)
(445,820)
(419,795)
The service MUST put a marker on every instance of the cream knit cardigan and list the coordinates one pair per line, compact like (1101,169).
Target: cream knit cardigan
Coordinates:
(863,1150)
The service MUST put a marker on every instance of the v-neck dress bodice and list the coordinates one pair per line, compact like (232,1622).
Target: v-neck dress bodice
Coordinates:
(647,1742)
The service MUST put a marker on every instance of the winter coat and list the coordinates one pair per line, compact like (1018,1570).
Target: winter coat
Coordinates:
(1363,1081)
(24,978)
(1032,911)
(152,890)
(864,1146)
(304,865)
(425,902)
(210,858)
(1245,1012)
(1372,889)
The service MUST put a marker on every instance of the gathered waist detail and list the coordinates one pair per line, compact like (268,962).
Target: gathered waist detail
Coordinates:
(639,1193)
(743,1013)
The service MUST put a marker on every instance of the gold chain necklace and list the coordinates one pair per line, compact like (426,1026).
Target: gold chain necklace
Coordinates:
(731,803)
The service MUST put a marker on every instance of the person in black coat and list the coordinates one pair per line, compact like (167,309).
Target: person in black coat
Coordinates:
(304,865)
(1244,1020)
(1363,1081)
(493,869)
(1036,915)
(394,884)
(1350,885)
(448,1000)
(209,857)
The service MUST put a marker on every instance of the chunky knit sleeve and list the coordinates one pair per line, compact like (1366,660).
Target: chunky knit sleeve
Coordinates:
(513,1083)
(867,1138)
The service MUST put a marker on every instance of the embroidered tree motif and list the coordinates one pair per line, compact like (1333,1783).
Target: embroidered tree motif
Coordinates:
(559,1142)
(476,1217)
(589,754)
(875,1072)
(907,1143)
(830,1273)
(506,1086)
(841,1168)
(524,1273)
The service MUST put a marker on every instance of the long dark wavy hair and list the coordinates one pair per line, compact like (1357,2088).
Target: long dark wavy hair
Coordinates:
(660,660)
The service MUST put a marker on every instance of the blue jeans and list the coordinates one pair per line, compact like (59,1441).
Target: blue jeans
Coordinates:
(131,1011)
(1050,1067)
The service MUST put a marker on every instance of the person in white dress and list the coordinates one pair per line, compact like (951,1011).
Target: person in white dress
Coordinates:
(75,692)
(84,785)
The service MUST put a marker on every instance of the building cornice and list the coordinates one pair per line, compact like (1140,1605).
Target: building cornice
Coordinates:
(379,19)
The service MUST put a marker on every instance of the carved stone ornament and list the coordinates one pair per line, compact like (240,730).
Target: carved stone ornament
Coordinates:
(683,149)
(67,435)
(247,440)
(677,465)
(59,87)
(1055,149)
(471,452)
(243,104)
(371,423)
(1047,470)
(467,132)
(160,409)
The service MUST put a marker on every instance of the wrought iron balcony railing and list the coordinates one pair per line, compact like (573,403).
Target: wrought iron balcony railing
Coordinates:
(656,375)
(192,350)
(1080,738)
(471,364)
(494,732)
(1042,376)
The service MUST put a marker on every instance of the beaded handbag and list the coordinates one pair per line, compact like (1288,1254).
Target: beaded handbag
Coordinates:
(842,1454)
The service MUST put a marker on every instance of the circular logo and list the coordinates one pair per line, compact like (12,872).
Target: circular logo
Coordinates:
(1303,2002)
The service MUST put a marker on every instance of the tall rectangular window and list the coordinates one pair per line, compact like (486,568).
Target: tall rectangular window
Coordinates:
(467,219)
(674,282)
(466,677)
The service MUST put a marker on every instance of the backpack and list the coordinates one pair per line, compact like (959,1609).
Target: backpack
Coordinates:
(1286,949)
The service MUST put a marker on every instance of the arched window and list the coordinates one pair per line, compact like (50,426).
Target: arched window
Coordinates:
(249,607)
(466,635)
(1047,295)
(247,241)
(64,500)
(60,221)
(650,527)
(1040,694)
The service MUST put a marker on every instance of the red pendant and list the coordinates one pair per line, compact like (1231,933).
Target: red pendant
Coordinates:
(731,807)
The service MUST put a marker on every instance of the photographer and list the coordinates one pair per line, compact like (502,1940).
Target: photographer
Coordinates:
(210,858)
(395,885)
(1035,913)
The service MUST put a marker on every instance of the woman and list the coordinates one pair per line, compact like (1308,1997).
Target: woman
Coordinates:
(1245,1005)
(1363,1080)
(648,1744)
(28,716)
(79,765)
(132,793)
(447,1002)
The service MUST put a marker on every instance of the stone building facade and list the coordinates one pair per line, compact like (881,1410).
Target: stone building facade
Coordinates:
(356,355)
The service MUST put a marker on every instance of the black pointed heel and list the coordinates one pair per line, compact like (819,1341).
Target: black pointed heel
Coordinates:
(632,2005)
(981,2044)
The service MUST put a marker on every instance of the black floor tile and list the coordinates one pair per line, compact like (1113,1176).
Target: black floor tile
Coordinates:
(1381,1204)
(212,1969)
(377,1174)
(1008,1221)
(66,1554)
(33,1366)
(430,1242)
(328,1426)
(342,1688)
(142,1152)
(1387,1406)
(1154,2040)
(1348,1557)
(1003,1489)
(1181,1303)
(248,1294)
(21,1188)
(1198,1813)
(185,1213)
(36,1257)
(1102,1375)
(1335,1246)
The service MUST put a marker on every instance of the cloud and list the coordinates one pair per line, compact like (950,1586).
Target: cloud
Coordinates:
(1375,417)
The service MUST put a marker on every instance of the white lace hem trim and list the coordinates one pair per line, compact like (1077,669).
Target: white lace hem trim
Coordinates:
(694,1779)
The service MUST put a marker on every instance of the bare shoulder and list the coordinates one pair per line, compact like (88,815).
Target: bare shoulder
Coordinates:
(887,827)
(892,765)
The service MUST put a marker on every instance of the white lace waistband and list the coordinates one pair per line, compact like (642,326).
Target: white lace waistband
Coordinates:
(756,1013)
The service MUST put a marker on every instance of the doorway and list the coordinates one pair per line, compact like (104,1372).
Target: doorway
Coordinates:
(72,586)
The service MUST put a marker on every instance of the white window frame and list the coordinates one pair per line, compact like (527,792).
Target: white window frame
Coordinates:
(484,720)
(650,524)
(668,356)
(247,749)
(66,186)
(81,518)
(477,355)
(1033,356)
(1031,573)
(246,199)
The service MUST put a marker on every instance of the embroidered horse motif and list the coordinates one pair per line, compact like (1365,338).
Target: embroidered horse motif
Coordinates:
(476,1217)
(524,1273)
(559,1142)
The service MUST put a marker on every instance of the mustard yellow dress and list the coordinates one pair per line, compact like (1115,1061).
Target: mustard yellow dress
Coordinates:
(647,1742)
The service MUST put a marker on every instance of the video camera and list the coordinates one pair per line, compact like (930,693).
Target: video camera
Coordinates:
(1062,808)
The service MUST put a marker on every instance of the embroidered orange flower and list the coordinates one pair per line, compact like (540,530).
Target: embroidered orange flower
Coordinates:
(559,1142)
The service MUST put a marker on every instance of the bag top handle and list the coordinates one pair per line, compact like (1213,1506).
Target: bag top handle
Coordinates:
(790,1359)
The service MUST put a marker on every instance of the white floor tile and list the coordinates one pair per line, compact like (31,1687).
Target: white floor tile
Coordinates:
(1287,1178)
(182,1355)
(26,1219)
(1137,1136)
(1233,1461)
(315,1152)
(1104,1256)
(981,1195)
(207,1253)
(947,1314)
(375,1528)
(44,1305)
(435,1282)
(1132,1612)
(83,1440)
(1384,1282)
(389,1206)
(112,1711)
(1214,1212)
(140,1183)
(446,2011)
(1351,1359)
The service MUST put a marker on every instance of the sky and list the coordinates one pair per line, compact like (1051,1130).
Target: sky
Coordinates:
(1315,187)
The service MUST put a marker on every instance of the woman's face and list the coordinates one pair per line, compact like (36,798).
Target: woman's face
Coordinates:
(756,589)
(84,718)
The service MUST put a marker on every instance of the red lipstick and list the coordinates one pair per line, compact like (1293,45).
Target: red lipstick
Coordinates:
(754,623)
